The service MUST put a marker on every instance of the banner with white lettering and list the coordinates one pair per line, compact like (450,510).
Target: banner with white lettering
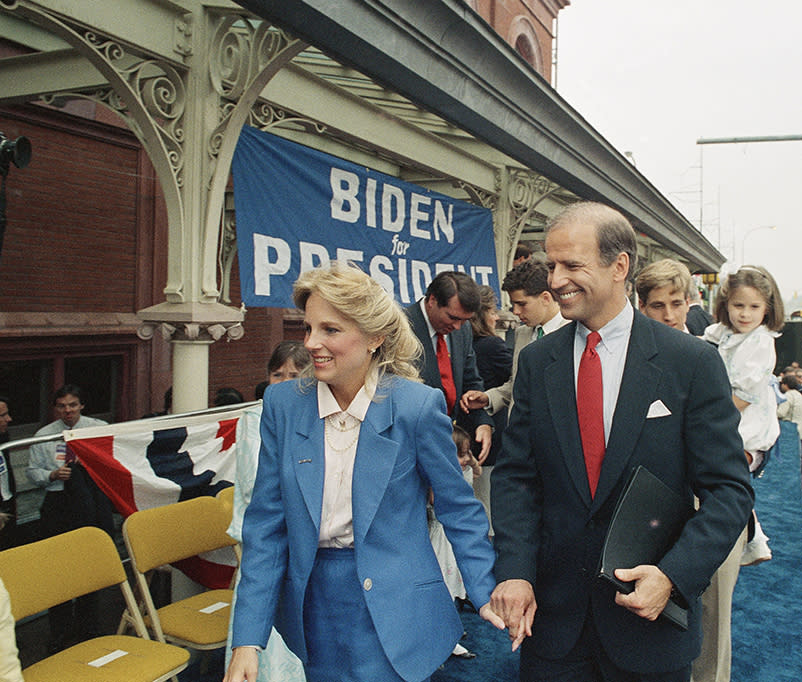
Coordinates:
(298,208)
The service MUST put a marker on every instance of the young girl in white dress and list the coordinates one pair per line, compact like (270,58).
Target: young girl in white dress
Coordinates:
(749,310)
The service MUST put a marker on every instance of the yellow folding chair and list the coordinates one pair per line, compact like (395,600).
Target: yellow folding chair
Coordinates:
(49,572)
(226,496)
(163,535)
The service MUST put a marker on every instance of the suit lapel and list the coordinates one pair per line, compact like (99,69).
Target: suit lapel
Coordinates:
(429,371)
(638,386)
(310,446)
(561,396)
(375,459)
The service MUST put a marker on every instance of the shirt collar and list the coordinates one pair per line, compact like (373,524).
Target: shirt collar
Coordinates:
(615,330)
(422,304)
(554,323)
(327,403)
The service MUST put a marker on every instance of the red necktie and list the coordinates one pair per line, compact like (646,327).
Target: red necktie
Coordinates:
(446,377)
(590,409)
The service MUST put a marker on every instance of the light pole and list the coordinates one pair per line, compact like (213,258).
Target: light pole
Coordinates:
(747,233)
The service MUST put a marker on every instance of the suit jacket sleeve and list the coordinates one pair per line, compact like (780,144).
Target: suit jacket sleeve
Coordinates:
(516,489)
(456,507)
(471,381)
(501,396)
(265,545)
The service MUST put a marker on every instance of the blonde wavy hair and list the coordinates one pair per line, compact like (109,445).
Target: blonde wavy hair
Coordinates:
(362,300)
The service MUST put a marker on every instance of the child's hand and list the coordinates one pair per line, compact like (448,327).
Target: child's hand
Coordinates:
(477,468)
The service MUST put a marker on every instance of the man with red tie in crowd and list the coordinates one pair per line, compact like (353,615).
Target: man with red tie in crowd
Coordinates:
(448,362)
(594,400)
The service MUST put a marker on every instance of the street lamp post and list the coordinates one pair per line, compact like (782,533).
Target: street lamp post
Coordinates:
(747,233)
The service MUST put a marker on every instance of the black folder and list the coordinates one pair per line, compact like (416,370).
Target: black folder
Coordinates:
(648,518)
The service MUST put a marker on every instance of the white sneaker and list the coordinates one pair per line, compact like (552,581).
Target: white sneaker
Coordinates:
(757,549)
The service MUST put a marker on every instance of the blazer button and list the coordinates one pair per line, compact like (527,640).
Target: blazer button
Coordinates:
(367,584)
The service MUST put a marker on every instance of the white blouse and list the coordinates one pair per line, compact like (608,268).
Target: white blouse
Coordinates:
(341,430)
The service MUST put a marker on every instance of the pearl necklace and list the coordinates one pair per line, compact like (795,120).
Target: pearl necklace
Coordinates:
(339,424)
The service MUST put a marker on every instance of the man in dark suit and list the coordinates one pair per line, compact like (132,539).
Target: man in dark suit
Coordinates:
(698,319)
(438,319)
(594,400)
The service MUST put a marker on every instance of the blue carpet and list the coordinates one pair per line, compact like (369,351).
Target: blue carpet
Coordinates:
(767,605)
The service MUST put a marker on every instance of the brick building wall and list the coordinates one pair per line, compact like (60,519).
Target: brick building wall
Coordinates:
(85,245)
(527,25)
(71,237)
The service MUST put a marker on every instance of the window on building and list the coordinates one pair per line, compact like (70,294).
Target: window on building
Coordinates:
(29,385)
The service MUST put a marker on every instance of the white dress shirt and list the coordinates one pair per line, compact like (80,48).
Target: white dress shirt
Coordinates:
(341,429)
(612,350)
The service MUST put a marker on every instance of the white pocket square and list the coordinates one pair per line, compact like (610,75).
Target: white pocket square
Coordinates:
(657,409)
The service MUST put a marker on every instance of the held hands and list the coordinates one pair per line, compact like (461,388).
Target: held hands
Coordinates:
(244,665)
(473,400)
(514,602)
(652,590)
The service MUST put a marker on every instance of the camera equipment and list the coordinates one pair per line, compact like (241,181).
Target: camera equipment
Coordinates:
(16,151)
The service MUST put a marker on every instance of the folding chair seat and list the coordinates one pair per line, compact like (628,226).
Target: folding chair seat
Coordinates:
(163,535)
(49,572)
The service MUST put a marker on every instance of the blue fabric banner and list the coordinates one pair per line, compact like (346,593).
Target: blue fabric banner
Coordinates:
(298,208)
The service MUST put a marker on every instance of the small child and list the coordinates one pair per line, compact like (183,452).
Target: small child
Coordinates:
(749,310)
(470,465)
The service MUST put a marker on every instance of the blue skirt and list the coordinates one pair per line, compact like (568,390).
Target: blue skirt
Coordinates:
(342,644)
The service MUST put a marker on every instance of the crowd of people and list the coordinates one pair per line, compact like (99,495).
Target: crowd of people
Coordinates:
(402,459)
(592,389)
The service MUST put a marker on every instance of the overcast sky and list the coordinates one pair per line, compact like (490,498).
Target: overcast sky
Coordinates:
(653,77)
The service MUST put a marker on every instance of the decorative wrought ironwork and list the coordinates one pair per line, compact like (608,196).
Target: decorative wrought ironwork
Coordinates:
(479,196)
(525,191)
(159,87)
(228,246)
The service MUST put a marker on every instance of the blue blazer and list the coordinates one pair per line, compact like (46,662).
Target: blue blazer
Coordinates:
(676,417)
(404,448)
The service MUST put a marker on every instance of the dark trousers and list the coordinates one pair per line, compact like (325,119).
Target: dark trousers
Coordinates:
(75,620)
(588,662)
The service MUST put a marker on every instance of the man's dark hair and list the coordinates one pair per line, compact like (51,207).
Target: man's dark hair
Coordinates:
(3,399)
(522,251)
(227,396)
(68,389)
(530,276)
(289,350)
(447,284)
(791,382)
(259,391)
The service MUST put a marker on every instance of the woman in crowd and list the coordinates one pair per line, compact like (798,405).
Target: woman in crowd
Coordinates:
(336,549)
(494,362)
